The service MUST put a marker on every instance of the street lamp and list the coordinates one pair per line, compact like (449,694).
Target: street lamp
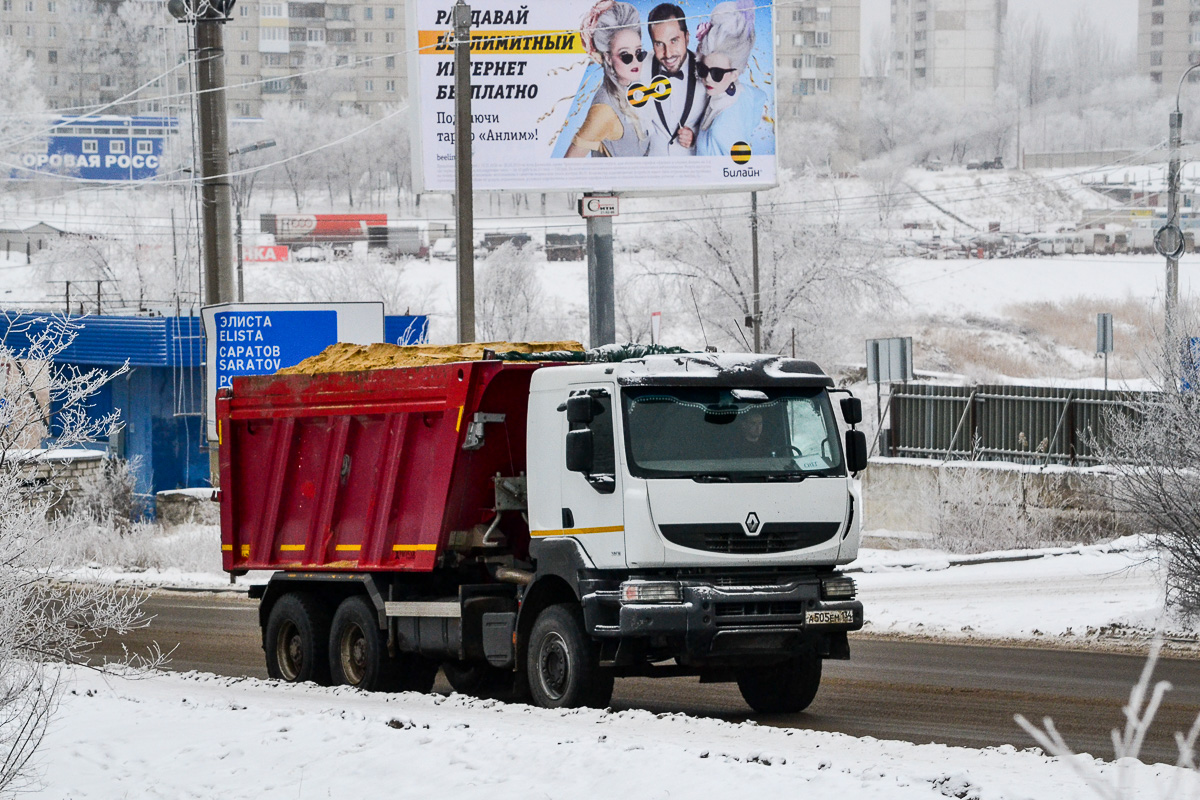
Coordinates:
(237,204)
(1169,239)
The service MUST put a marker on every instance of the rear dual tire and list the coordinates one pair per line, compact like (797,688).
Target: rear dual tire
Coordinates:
(303,643)
(297,639)
(358,654)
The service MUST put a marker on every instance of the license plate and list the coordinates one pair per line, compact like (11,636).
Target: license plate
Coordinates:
(841,616)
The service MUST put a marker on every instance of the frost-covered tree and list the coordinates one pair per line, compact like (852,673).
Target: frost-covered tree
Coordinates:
(1025,58)
(22,106)
(359,277)
(134,269)
(1154,447)
(815,276)
(821,137)
(296,132)
(509,298)
(44,622)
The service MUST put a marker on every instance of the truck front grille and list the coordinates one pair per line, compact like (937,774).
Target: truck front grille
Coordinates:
(742,615)
(730,537)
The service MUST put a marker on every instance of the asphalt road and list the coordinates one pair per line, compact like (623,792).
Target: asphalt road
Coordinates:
(914,691)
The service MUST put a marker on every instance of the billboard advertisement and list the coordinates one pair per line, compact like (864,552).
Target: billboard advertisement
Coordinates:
(320,227)
(101,148)
(580,95)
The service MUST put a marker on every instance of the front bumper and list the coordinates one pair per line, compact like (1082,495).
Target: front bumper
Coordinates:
(715,623)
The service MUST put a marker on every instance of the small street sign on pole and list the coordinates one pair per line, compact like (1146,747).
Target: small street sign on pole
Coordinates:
(888,361)
(1104,341)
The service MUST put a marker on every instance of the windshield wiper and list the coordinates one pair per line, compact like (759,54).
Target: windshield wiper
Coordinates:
(749,477)
(793,477)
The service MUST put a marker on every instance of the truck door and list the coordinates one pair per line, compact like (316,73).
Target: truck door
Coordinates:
(591,498)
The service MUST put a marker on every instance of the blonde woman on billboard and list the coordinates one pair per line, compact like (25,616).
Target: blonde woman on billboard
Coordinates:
(735,109)
(612,35)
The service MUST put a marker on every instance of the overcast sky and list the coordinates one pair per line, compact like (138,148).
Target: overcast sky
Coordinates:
(1120,15)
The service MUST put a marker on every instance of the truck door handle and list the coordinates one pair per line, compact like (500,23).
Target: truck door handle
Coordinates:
(568,519)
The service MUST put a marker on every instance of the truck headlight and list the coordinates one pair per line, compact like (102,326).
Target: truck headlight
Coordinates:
(651,592)
(837,587)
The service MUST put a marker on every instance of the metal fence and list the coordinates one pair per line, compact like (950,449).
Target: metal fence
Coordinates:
(1022,424)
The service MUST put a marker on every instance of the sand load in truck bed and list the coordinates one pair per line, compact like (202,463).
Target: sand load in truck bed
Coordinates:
(344,357)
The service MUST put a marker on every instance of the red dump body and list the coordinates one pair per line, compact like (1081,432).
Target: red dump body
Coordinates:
(364,471)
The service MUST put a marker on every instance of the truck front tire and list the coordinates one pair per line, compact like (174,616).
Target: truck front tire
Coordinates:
(782,688)
(358,654)
(297,639)
(563,664)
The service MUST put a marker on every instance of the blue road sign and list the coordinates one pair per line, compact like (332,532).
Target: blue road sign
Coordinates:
(262,342)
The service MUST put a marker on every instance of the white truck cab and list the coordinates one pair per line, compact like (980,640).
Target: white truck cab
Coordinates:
(698,505)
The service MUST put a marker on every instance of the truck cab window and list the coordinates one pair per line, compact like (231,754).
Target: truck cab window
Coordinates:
(602,476)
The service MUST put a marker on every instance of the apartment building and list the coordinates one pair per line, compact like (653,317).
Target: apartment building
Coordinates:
(93,52)
(817,53)
(1168,39)
(348,54)
(952,46)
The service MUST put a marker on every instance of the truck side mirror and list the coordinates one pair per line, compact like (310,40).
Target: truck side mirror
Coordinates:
(856,451)
(852,410)
(580,457)
(580,410)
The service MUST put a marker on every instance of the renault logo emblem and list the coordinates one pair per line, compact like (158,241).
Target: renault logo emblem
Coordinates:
(752,524)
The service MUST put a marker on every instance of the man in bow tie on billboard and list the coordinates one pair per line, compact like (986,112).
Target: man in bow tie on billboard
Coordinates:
(674,118)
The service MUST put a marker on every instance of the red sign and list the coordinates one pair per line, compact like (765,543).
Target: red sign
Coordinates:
(271,253)
(321,227)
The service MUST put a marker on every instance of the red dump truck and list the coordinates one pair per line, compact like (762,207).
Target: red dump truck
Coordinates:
(538,529)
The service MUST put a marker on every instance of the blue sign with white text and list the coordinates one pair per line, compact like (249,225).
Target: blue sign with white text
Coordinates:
(262,342)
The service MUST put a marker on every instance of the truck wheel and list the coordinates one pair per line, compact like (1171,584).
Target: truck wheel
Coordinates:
(782,688)
(297,639)
(563,671)
(358,654)
(356,647)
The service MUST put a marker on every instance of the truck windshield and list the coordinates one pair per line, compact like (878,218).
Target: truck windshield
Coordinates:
(730,434)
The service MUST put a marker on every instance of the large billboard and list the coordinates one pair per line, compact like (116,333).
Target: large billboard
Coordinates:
(580,95)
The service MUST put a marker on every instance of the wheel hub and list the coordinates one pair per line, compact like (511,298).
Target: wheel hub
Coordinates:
(554,666)
(353,651)
(290,652)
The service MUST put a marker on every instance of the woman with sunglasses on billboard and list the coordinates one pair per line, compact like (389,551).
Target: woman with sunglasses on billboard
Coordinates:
(612,36)
(735,109)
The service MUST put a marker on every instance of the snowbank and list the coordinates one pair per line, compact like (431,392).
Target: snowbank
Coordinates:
(199,736)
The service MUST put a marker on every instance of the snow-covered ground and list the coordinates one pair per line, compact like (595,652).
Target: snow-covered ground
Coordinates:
(200,736)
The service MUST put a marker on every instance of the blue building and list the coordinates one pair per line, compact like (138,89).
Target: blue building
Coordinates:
(161,398)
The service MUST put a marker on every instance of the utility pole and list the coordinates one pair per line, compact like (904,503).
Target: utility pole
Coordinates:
(237,202)
(602,305)
(757,306)
(1169,240)
(215,193)
(216,206)
(464,225)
